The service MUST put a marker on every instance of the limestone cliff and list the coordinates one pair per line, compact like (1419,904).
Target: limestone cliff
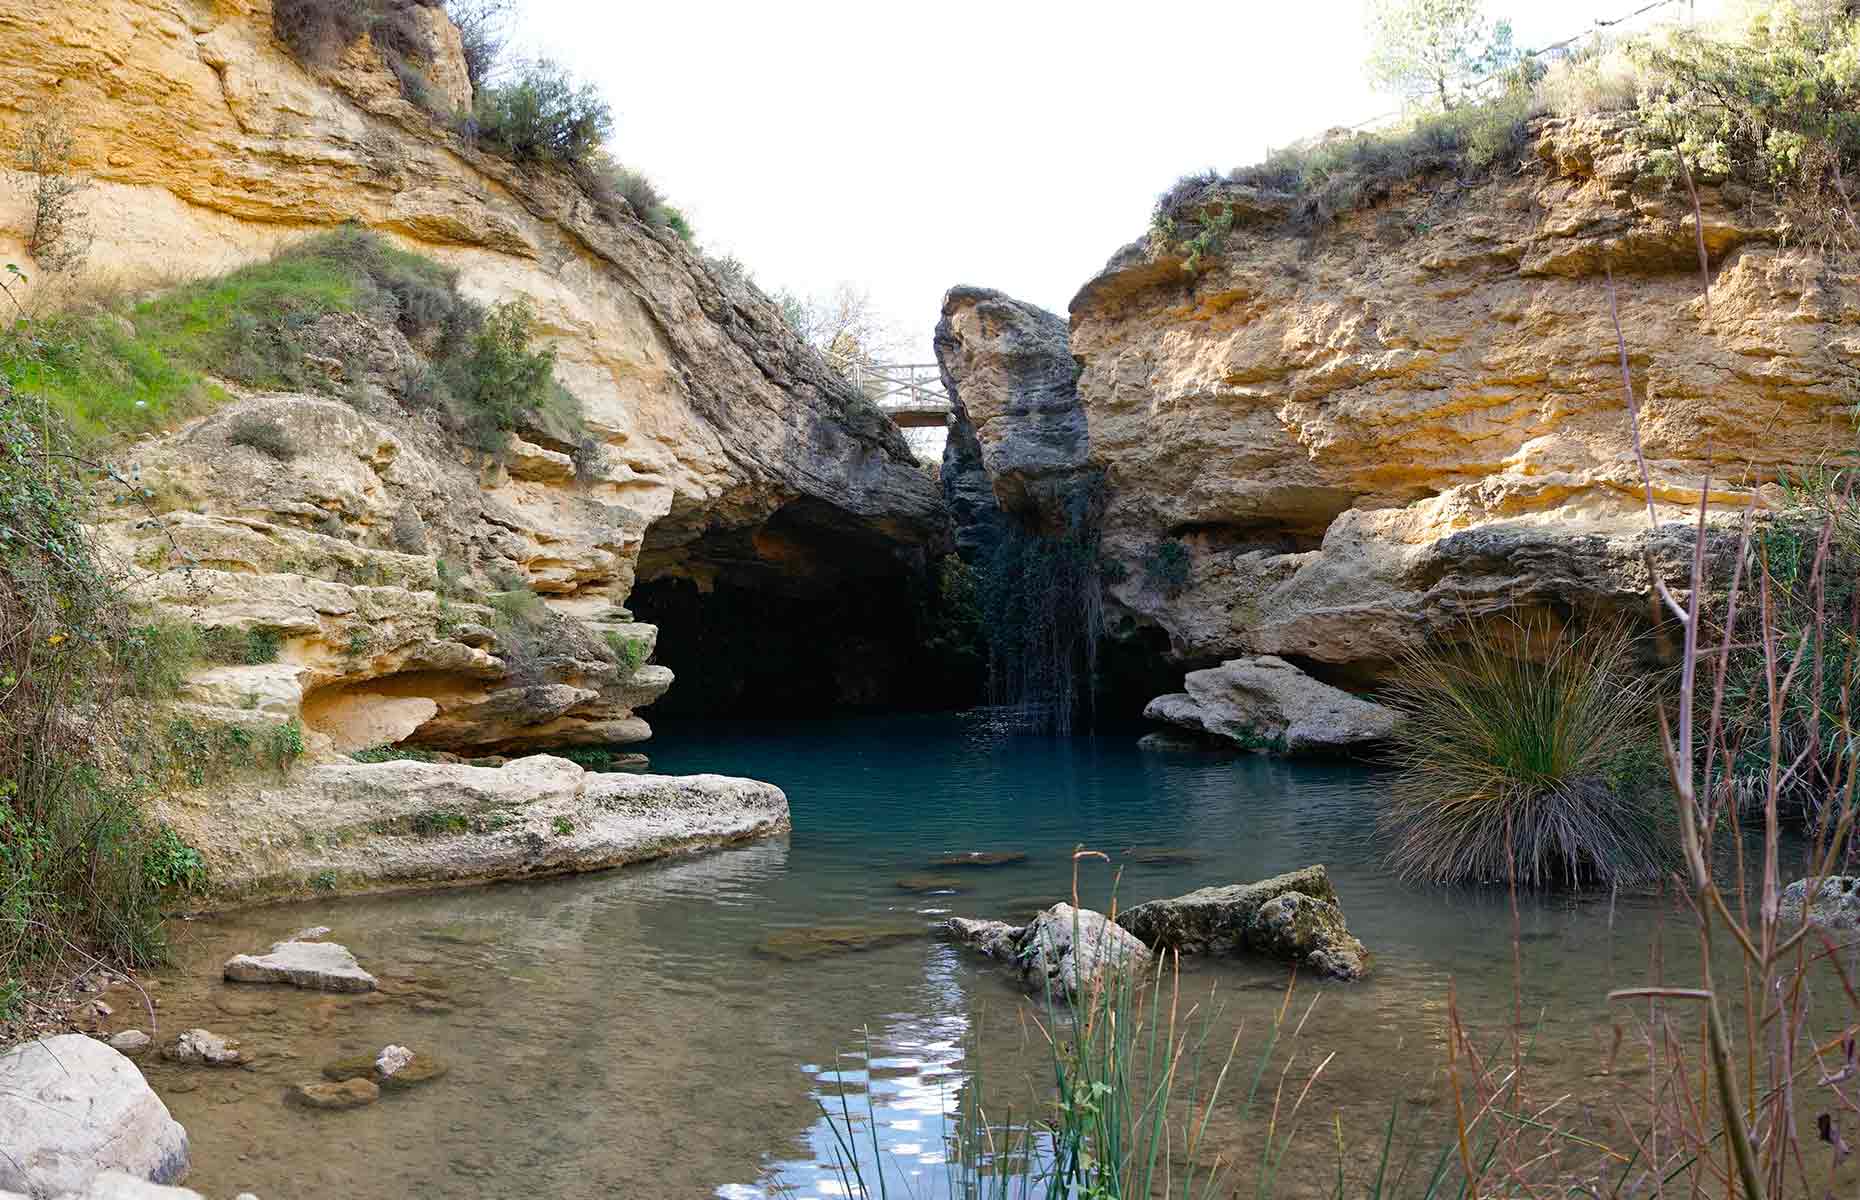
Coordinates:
(1330,445)
(726,449)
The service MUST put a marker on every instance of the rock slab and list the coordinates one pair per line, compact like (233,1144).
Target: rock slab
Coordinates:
(70,1106)
(320,966)
(1250,918)
(1265,703)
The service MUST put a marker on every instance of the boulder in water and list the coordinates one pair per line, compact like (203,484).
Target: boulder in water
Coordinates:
(1062,952)
(70,1107)
(1834,905)
(322,966)
(1266,703)
(1228,920)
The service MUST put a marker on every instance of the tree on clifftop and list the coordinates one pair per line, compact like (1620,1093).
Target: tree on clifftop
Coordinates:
(1431,52)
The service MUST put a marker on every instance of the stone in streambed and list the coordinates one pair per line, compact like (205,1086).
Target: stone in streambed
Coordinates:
(981,858)
(1160,856)
(1062,952)
(996,939)
(820,941)
(131,1042)
(930,883)
(1310,932)
(1834,905)
(71,1106)
(322,966)
(1294,916)
(408,1068)
(349,1093)
(204,1048)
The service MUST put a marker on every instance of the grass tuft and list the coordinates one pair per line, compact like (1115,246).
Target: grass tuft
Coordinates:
(1546,764)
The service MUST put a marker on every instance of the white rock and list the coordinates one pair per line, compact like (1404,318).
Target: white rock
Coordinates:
(309,933)
(392,1060)
(1265,703)
(323,966)
(114,1185)
(203,1047)
(132,1042)
(71,1106)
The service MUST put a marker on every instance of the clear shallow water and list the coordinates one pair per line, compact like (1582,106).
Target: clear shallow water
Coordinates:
(627,1034)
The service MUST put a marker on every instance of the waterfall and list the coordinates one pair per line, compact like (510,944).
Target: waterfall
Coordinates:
(1042,614)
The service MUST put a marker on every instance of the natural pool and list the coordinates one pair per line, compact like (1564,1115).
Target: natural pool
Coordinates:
(621,1034)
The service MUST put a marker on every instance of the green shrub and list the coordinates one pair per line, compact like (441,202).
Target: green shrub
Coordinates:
(170,863)
(240,647)
(588,758)
(1166,566)
(542,116)
(629,652)
(501,377)
(481,25)
(318,32)
(612,184)
(264,435)
(285,744)
(154,657)
(1546,767)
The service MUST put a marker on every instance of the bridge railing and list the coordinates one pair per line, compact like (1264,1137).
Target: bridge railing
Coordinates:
(915,386)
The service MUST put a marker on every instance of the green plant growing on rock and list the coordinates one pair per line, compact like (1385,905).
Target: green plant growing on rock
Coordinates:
(1166,566)
(562,826)
(171,864)
(264,435)
(285,744)
(59,238)
(629,652)
(1509,764)
(240,647)
(540,115)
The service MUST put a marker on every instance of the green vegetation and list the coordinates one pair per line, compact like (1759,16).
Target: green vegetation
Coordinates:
(170,863)
(239,647)
(1433,52)
(1166,566)
(539,115)
(562,826)
(264,435)
(629,652)
(1546,768)
(60,235)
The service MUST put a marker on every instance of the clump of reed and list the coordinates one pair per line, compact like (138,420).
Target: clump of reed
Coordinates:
(1533,765)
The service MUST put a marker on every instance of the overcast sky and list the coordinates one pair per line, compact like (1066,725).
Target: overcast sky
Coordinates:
(907,147)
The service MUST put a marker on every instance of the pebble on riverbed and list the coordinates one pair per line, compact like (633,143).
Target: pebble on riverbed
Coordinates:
(348,1093)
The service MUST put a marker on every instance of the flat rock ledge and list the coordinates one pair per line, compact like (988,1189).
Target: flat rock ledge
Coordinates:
(1265,703)
(396,825)
(71,1107)
(320,966)
(1835,903)
(1060,953)
(1295,917)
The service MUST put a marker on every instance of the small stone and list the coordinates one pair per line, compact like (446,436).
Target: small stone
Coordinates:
(202,1047)
(391,1059)
(324,966)
(103,1010)
(131,1042)
(349,1093)
(310,933)
(418,1069)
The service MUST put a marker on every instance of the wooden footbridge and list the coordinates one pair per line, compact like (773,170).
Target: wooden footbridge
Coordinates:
(911,394)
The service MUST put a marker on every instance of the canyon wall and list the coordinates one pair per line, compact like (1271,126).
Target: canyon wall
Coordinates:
(726,452)
(1333,444)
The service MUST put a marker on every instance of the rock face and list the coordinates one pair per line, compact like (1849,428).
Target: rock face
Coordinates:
(1835,904)
(1012,385)
(1265,703)
(1294,916)
(721,446)
(1355,440)
(383,826)
(321,966)
(70,1107)
(1061,953)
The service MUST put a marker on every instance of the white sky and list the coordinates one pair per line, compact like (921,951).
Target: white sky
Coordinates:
(907,147)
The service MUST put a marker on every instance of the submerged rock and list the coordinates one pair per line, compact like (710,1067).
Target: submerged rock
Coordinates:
(390,1069)
(981,858)
(349,1093)
(321,966)
(1160,856)
(1835,905)
(204,1048)
(1232,920)
(70,1107)
(1061,952)
(820,941)
(1265,703)
(930,883)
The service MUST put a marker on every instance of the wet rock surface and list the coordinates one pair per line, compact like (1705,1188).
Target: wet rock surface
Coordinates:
(1833,904)
(71,1106)
(204,1048)
(1060,953)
